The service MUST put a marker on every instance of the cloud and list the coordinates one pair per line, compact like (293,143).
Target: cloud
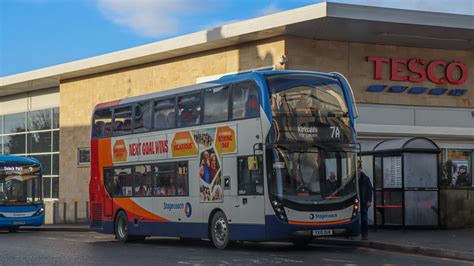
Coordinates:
(270,9)
(150,18)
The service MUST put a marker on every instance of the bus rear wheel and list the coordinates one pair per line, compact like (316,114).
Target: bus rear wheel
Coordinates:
(13,229)
(219,230)
(121,227)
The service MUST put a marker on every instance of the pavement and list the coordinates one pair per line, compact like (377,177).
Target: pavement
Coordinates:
(451,244)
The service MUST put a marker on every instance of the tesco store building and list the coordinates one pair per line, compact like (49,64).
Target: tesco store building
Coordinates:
(411,71)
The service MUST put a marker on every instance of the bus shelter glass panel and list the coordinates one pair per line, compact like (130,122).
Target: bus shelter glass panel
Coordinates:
(421,208)
(420,177)
(392,207)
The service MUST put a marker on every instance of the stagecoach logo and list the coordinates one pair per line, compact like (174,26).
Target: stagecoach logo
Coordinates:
(179,206)
(322,216)
(307,130)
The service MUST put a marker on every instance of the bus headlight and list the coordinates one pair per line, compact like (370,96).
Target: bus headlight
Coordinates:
(39,212)
(279,210)
(355,209)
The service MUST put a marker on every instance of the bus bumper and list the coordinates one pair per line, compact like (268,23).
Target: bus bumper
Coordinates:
(36,220)
(277,229)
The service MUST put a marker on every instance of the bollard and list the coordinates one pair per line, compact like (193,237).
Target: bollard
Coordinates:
(64,213)
(87,212)
(55,212)
(75,212)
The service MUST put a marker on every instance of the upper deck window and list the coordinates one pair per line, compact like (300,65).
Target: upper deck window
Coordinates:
(216,104)
(142,117)
(164,114)
(123,120)
(306,95)
(245,100)
(102,126)
(189,110)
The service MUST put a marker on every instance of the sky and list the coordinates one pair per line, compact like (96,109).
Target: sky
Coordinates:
(40,33)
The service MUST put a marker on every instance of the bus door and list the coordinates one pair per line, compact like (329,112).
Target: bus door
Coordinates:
(250,190)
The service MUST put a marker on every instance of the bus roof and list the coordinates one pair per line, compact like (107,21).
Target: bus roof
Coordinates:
(223,80)
(12,159)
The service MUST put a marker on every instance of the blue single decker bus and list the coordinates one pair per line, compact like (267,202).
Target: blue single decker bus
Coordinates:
(21,200)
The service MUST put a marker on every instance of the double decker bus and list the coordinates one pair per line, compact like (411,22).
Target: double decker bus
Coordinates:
(21,200)
(258,156)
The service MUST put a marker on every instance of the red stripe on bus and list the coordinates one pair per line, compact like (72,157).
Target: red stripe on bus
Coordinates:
(389,206)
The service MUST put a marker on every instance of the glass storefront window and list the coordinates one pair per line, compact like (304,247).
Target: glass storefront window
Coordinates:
(54,187)
(14,144)
(39,142)
(14,123)
(55,141)
(55,164)
(34,134)
(39,120)
(47,187)
(55,117)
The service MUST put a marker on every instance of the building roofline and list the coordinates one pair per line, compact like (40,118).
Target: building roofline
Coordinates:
(223,36)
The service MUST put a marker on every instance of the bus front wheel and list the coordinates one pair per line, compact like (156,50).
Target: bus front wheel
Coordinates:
(219,230)
(13,229)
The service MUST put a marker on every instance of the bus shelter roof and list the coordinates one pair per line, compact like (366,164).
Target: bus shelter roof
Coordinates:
(415,144)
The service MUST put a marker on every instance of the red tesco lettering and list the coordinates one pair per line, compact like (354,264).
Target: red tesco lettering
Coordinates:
(418,70)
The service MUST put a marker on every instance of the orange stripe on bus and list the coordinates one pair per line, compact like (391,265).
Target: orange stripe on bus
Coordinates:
(105,151)
(130,206)
(320,223)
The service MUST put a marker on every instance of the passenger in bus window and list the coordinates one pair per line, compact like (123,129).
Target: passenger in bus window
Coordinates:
(252,107)
(186,118)
(171,189)
(127,125)
(107,129)
(116,186)
(98,129)
(331,183)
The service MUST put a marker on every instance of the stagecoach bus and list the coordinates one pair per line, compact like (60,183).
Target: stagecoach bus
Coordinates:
(258,156)
(21,201)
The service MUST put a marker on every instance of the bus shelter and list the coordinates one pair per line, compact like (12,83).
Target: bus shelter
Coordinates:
(405,180)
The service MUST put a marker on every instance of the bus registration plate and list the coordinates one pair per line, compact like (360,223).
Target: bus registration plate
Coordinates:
(18,222)
(325,232)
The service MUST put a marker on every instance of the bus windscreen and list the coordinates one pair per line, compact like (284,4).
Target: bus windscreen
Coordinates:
(19,183)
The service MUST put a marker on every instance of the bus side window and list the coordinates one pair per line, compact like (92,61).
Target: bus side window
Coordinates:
(250,175)
(245,100)
(216,105)
(142,117)
(144,181)
(112,183)
(189,108)
(102,119)
(125,180)
(122,120)
(182,179)
(164,115)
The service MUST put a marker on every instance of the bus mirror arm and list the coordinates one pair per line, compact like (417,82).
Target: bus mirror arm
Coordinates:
(259,147)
